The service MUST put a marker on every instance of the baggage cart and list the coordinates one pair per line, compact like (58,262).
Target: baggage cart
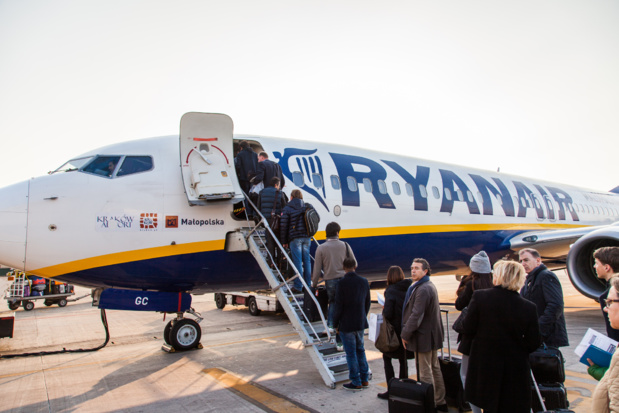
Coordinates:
(20,293)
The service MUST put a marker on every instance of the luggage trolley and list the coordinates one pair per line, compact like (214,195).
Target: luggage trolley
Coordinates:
(20,292)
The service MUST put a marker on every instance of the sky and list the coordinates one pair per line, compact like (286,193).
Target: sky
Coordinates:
(530,86)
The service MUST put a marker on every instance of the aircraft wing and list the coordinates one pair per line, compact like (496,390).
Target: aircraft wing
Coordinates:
(551,244)
(572,248)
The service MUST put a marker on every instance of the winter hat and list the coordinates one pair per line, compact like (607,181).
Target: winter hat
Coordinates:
(480,263)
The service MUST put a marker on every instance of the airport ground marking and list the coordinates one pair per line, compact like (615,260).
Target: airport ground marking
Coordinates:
(258,395)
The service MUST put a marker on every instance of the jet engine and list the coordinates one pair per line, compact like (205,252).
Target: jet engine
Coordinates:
(580,260)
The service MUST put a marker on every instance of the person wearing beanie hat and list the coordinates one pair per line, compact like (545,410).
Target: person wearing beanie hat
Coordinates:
(479,279)
(480,263)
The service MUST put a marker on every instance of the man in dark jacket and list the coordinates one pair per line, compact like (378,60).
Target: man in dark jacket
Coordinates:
(607,266)
(267,169)
(270,204)
(294,234)
(246,163)
(543,288)
(352,305)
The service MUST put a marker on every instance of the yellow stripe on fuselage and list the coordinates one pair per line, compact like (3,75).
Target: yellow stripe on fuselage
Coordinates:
(129,256)
(424,229)
(218,245)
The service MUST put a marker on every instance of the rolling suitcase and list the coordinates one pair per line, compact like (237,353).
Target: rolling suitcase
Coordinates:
(410,396)
(309,306)
(549,396)
(450,369)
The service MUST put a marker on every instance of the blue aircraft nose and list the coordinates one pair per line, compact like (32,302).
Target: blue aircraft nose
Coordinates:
(13,224)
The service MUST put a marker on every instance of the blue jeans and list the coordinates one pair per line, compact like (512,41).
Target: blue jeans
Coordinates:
(331,286)
(300,251)
(358,370)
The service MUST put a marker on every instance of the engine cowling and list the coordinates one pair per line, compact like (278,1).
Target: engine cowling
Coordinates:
(580,260)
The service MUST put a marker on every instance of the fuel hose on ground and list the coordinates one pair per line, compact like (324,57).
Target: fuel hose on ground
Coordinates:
(64,350)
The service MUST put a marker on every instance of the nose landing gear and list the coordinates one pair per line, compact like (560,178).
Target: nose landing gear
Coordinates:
(182,334)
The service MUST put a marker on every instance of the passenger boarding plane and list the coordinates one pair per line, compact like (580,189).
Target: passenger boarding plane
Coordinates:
(158,215)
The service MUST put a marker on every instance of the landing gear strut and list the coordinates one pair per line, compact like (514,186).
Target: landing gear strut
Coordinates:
(182,334)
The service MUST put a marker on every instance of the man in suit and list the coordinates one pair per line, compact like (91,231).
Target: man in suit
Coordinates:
(422,328)
(543,288)
(267,169)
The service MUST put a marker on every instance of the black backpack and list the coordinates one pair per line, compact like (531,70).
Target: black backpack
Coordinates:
(311,219)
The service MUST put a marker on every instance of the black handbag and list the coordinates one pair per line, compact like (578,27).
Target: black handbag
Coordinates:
(547,364)
(458,325)
(387,340)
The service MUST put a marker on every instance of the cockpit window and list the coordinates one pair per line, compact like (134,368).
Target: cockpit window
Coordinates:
(103,165)
(73,165)
(135,164)
(109,165)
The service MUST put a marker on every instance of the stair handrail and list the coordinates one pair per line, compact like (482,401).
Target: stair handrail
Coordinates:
(267,227)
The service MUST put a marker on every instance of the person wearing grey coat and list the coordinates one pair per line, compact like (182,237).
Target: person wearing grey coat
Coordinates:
(422,328)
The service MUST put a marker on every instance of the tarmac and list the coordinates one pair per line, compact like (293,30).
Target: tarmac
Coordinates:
(247,363)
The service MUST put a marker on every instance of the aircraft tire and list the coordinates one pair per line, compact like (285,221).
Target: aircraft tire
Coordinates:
(62,302)
(13,305)
(166,332)
(220,300)
(28,305)
(253,306)
(185,334)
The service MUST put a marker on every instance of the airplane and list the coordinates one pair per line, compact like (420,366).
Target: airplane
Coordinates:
(147,223)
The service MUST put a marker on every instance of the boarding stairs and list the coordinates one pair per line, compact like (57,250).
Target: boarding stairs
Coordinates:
(316,337)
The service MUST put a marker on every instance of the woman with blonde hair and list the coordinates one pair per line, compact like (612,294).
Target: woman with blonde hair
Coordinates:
(504,329)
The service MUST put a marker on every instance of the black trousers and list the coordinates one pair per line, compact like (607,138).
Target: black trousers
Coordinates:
(389,372)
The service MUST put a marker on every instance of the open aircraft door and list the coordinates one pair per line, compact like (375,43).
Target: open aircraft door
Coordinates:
(207,158)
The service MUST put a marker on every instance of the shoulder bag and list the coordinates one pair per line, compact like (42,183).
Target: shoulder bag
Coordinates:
(387,340)
(458,325)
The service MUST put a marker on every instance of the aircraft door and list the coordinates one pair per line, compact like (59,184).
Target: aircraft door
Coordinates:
(207,158)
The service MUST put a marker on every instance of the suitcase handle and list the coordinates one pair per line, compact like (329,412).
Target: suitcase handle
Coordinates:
(539,394)
(448,340)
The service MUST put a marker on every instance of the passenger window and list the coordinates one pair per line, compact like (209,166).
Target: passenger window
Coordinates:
(436,193)
(317,180)
(499,199)
(447,194)
(424,192)
(382,188)
(352,183)
(297,178)
(409,189)
(367,184)
(103,166)
(396,188)
(469,196)
(135,164)
(459,196)
(335,182)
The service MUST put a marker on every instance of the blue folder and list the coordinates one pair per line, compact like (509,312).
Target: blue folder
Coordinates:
(597,355)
